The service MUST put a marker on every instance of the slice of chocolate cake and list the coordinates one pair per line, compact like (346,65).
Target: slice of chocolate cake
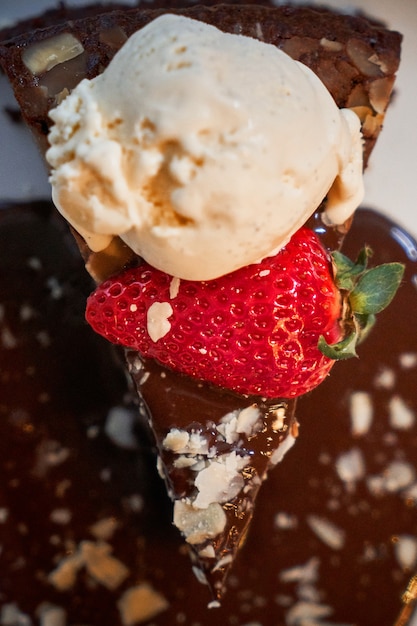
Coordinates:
(198,426)
(85,530)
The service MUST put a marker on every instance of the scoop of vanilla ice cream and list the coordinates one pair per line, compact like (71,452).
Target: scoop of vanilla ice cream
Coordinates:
(204,151)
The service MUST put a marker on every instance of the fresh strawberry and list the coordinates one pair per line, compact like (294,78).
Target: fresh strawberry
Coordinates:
(254,331)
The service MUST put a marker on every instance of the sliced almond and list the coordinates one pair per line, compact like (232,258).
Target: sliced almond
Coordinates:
(114,37)
(297,46)
(379,93)
(372,125)
(362,112)
(358,97)
(44,55)
(363,57)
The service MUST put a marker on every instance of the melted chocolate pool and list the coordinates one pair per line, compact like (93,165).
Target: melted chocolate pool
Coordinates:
(85,526)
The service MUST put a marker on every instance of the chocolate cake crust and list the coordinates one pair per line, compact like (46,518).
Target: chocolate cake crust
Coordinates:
(354,57)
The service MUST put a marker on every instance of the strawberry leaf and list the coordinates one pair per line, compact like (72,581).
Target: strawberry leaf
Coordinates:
(365,323)
(344,349)
(348,271)
(376,288)
(365,292)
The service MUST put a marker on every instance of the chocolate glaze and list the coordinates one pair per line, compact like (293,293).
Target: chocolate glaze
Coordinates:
(60,473)
(172,400)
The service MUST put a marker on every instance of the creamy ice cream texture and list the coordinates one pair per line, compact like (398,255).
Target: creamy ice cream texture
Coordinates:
(204,151)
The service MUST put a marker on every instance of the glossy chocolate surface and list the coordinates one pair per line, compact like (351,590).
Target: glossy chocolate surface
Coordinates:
(173,401)
(335,531)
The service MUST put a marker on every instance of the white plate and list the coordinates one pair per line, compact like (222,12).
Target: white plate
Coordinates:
(391,179)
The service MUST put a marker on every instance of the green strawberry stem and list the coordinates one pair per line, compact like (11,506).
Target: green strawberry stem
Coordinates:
(365,292)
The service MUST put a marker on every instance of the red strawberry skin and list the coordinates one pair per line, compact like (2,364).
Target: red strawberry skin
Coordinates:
(254,331)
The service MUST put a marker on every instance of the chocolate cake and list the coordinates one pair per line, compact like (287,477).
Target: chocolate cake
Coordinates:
(356,59)
(85,527)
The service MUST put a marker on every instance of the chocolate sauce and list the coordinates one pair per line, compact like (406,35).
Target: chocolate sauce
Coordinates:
(335,529)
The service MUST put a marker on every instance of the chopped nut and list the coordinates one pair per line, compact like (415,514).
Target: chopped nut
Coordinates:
(158,324)
(408,360)
(328,532)
(405,548)
(358,97)
(402,417)
(141,603)
(375,59)
(385,378)
(284,446)
(379,93)
(297,46)
(64,576)
(350,467)
(259,32)
(104,568)
(363,57)
(306,573)
(278,424)
(372,125)
(226,560)
(182,442)
(361,413)
(221,480)
(104,529)
(114,37)
(285,521)
(61,96)
(362,112)
(303,612)
(207,552)
(247,420)
(328,44)
(44,55)
(198,525)
(398,475)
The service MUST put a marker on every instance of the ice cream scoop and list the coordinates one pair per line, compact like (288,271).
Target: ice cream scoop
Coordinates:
(203,151)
